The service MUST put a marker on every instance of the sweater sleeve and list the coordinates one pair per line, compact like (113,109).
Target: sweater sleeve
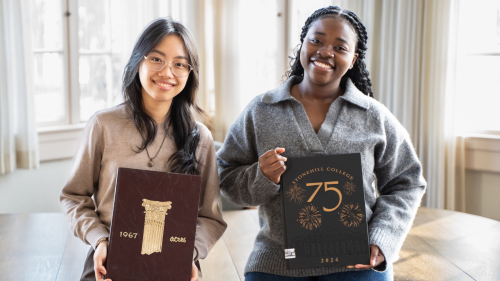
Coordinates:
(400,184)
(210,225)
(76,196)
(241,179)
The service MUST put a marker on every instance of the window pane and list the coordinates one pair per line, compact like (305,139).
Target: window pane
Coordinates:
(93,25)
(107,33)
(481,92)
(498,22)
(47,40)
(47,24)
(95,80)
(49,94)
(481,19)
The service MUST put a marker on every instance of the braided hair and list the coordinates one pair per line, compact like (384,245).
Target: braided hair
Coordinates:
(358,73)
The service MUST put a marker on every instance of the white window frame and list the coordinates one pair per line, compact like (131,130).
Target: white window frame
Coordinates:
(65,55)
(482,148)
(73,58)
(58,140)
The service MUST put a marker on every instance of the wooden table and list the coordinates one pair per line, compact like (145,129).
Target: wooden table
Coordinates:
(442,245)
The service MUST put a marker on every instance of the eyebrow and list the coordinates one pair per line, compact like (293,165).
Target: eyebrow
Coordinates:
(156,51)
(342,39)
(163,54)
(338,38)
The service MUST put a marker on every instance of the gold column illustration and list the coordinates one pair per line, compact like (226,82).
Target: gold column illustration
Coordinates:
(154,224)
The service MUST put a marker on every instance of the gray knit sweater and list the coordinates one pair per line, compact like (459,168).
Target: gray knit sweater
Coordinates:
(354,123)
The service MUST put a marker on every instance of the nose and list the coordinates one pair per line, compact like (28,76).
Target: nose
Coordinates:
(326,52)
(166,72)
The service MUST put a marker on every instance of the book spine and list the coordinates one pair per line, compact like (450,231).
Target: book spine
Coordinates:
(282,194)
(110,241)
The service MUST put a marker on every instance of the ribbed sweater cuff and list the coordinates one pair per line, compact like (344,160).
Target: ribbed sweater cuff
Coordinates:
(95,234)
(386,244)
(266,186)
(262,261)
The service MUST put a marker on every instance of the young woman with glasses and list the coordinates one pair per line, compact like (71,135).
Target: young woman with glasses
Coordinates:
(152,130)
(328,108)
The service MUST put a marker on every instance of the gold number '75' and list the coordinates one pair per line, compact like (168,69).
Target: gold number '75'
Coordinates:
(319,184)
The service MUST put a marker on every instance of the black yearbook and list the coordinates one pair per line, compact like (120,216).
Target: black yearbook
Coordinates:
(324,209)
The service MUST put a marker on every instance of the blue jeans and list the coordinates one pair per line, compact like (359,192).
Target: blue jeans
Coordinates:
(368,275)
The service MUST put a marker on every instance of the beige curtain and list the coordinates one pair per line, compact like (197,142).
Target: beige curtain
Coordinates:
(226,65)
(197,15)
(18,135)
(412,57)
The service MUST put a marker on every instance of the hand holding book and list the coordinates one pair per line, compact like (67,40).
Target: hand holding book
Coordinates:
(272,164)
(194,272)
(376,258)
(100,255)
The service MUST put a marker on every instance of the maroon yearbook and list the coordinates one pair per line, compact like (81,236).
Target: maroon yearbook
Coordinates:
(153,226)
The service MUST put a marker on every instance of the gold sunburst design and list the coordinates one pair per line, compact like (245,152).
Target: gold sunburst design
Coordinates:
(296,193)
(154,225)
(310,217)
(351,215)
(349,188)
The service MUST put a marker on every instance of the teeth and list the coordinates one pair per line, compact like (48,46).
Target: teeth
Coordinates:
(163,85)
(322,64)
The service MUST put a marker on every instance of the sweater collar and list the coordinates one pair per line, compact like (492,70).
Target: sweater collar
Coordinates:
(282,93)
(355,96)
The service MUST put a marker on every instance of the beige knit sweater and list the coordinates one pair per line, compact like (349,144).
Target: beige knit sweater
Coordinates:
(108,142)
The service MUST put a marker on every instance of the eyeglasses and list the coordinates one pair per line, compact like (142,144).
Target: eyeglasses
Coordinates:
(157,63)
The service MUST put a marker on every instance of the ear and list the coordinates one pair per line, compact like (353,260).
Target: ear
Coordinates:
(353,60)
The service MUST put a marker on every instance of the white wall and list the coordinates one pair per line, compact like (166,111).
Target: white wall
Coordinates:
(482,191)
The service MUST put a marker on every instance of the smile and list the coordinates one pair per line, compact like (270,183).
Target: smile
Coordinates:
(323,65)
(163,86)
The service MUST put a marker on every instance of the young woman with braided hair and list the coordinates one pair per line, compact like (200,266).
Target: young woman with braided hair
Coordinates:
(328,107)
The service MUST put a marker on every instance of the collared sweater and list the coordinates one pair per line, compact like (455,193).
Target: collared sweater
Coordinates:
(108,142)
(354,123)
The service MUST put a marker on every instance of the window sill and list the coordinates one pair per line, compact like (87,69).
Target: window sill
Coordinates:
(60,128)
(59,142)
(482,153)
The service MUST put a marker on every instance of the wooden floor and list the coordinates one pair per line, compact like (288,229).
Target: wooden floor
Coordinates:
(442,245)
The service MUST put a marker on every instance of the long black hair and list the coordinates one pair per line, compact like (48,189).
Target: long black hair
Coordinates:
(358,73)
(185,131)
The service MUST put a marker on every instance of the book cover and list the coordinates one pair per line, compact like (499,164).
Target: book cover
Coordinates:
(324,210)
(153,226)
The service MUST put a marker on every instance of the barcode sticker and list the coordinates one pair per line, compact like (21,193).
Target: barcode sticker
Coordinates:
(289,253)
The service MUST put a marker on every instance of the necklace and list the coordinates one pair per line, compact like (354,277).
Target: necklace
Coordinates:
(151,163)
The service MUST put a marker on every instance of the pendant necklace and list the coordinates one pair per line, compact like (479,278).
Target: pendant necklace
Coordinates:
(151,163)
